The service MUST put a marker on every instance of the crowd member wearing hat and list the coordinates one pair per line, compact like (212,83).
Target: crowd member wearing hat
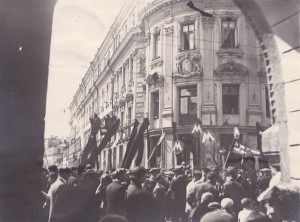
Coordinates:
(176,196)
(52,176)
(199,189)
(202,206)
(151,181)
(217,216)
(227,207)
(205,172)
(232,189)
(213,206)
(189,189)
(248,208)
(115,193)
(59,211)
(105,180)
(137,178)
(159,193)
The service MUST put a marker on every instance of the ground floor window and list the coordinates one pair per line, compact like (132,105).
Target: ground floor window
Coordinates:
(156,159)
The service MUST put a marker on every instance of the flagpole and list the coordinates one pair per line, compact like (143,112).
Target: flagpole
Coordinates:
(233,142)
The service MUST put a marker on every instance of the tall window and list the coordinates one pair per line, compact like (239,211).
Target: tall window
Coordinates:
(188,105)
(120,154)
(268,114)
(230,96)
(131,69)
(129,116)
(124,73)
(155,105)
(157,45)
(229,33)
(188,36)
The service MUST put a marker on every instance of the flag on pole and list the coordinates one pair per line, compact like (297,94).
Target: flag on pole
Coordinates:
(95,152)
(244,150)
(137,143)
(157,144)
(92,142)
(130,141)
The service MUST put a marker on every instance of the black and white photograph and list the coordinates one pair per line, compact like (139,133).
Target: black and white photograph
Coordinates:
(149,111)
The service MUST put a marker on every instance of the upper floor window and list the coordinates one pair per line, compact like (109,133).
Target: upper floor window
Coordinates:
(155,96)
(230,96)
(229,33)
(131,68)
(188,36)
(157,45)
(188,105)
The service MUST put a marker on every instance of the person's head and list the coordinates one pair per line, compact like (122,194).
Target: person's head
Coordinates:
(178,170)
(120,174)
(205,171)
(64,172)
(154,172)
(247,203)
(207,197)
(197,175)
(227,204)
(105,179)
(233,172)
(212,177)
(217,216)
(139,173)
(53,169)
(215,170)
(160,179)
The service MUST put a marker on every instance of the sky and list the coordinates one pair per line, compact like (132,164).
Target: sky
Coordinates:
(79,27)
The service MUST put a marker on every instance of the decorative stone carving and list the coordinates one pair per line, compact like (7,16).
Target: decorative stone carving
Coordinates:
(156,63)
(169,30)
(208,22)
(123,92)
(122,102)
(188,64)
(155,79)
(231,71)
(156,31)
(141,63)
(130,85)
(148,38)
(129,97)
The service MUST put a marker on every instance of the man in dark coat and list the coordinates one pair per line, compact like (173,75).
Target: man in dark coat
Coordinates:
(176,196)
(159,193)
(207,186)
(137,178)
(59,211)
(233,190)
(115,194)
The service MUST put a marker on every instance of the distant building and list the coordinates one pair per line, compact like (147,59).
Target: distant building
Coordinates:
(54,151)
(164,61)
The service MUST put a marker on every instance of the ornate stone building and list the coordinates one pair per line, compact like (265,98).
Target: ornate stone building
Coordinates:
(164,61)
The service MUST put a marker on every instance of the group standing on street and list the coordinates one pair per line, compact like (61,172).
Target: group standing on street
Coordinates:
(158,195)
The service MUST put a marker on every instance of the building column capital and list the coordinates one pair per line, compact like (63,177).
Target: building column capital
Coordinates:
(208,22)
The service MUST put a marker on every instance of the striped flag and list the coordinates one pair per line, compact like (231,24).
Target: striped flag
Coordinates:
(244,150)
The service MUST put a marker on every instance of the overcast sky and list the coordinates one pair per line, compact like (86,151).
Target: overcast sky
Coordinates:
(79,27)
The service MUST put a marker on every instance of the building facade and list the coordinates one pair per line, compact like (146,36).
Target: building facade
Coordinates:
(54,149)
(164,61)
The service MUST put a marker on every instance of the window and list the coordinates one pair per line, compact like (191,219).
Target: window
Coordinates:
(124,73)
(230,95)
(131,69)
(188,105)
(129,121)
(188,36)
(122,119)
(155,105)
(133,18)
(157,45)
(120,154)
(229,33)
(268,114)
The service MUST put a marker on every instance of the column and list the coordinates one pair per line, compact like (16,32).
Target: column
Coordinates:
(208,106)
(168,57)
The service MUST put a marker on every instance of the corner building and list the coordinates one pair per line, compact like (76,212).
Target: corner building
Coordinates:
(173,65)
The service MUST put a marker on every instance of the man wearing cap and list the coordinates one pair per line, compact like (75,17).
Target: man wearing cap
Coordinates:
(176,195)
(59,211)
(115,193)
(151,181)
(190,187)
(137,178)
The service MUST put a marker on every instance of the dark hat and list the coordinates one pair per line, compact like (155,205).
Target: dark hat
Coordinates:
(178,169)
(139,171)
(64,170)
(154,170)
(217,216)
(119,171)
(53,168)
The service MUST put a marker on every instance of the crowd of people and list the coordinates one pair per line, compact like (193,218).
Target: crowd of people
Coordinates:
(157,195)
